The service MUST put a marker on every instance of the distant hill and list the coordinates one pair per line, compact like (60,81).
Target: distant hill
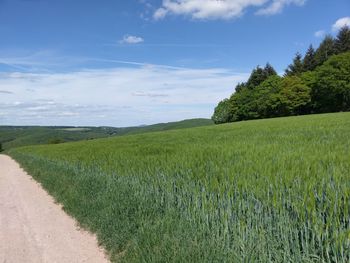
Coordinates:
(166,126)
(16,136)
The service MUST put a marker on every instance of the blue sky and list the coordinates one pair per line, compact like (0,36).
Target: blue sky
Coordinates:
(122,63)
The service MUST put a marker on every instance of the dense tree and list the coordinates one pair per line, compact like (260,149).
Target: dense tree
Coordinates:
(342,42)
(259,75)
(319,82)
(294,96)
(1,147)
(247,104)
(240,86)
(55,141)
(269,70)
(222,112)
(331,85)
(325,50)
(256,77)
(296,68)
(267,100)
(244,105)
(309,61)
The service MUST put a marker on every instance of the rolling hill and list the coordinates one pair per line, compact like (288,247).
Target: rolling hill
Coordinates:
(273,190)
(16,136)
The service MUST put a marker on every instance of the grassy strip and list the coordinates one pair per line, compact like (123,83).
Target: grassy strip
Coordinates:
(260,191)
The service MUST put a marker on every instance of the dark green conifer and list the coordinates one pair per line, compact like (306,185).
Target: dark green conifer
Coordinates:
(342,42)
(309,62)
(296,68)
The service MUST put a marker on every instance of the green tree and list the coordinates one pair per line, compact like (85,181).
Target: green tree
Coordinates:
(296,68)
(244,105)
(319,82)
(55,141)
(295,96)
(1,147)
(256,77)
(342,42)
(259,75)
(222,112)
(269,71)
(325,50)
(309,61)
(331,85)
(240,86)
(267,101)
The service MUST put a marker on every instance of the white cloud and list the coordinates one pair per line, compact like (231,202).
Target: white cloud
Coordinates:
(6,92)
(148,94)
(38,61)
(219,9)
(276,6)
(320,33)
(160,13)
(341,22)
(123,96)
(128,39)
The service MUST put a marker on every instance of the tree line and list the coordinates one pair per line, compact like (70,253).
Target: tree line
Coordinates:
(317,82)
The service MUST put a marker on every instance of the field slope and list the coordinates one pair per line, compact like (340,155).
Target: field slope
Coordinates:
(274,190)
(17,136)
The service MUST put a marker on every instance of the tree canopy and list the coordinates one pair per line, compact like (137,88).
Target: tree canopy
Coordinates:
(318,82)
(309,61)
(296,67)
(342,42)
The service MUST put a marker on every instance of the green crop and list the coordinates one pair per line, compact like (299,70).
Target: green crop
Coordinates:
(274,190)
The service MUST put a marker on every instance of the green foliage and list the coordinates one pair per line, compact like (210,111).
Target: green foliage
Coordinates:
(269,71)
(274,97)
(330,85)
(55,141)
(258,75)
(297,67)
(222,112)
(294,96)
(342,42)
(317,83)
(240,86)
(325,50)
(243,105)
(309,61)
(267,97)
(274,190)
(256,103)
(1,149)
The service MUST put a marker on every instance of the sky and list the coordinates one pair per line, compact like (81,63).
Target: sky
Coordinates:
(134,62)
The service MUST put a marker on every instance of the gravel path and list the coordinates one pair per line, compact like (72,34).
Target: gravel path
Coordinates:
(35,229)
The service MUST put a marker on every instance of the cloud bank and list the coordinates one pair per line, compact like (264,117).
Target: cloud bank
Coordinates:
(220,9)
(123,96)
(276,6)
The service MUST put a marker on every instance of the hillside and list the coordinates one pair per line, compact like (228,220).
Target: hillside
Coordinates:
(17,136)
(274,190)
(168,126)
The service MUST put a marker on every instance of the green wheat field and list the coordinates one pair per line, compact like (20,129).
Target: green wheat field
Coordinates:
(273,190)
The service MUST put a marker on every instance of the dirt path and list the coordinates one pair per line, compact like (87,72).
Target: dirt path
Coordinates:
(35,229)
